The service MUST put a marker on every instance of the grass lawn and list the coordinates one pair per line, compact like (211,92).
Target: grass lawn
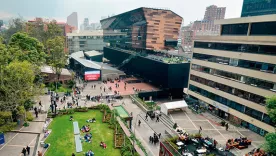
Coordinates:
(62,136)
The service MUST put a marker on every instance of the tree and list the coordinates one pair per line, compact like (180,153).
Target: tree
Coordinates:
(271,107)
(15,25)
(57,58)
(23,47)
(53,30)
(270,143)
(18,86)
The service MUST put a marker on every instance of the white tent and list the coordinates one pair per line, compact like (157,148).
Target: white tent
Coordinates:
(165,107)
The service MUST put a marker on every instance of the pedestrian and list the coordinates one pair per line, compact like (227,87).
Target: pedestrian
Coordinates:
(150,139)
(94,86)
(139,123)
(125,87)
(157,119)
(36,114)
(123,103)
(146,117)
(73,154)
(159,135)
(215,143)
(226,127)
(39,153)
(35,109)
(24,151)
(28,150)
(200,129)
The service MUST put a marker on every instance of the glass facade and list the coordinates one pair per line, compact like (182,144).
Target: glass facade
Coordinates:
(266,28)
(253,65)
(237,47)
(234,105)
(258,7)
(235,77)
(228,89)
(235,29)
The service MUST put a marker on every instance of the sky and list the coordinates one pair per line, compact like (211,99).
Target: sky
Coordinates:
(190,10)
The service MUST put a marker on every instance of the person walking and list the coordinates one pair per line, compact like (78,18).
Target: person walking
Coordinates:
(159,135)
(200,129)
(24,151)
(215,143)
(28,150)
(146,117)
(157,119)
(226,127)
(139,123)
(150,139)
(36,114)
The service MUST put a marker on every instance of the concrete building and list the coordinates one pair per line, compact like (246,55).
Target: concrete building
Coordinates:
(72,20)
(233,73)
(258,7)
(85,41)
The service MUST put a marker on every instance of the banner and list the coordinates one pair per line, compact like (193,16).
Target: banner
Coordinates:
(92,75)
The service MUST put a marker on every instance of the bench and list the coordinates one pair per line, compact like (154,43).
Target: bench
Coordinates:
(78,143)
(76,127)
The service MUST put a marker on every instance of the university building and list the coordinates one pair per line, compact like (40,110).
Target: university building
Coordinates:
(233,73)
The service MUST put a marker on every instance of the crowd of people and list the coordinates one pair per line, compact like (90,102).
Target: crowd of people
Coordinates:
(155,138)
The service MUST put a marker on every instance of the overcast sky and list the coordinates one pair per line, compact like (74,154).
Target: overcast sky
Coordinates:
(190,10)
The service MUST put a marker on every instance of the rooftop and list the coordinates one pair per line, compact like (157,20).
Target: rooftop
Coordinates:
(48,69)
(86,33)
(92,53)
(253,19)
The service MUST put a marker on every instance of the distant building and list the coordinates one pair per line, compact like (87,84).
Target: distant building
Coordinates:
(213,13)
(72,20)
(85,41)
(258,7)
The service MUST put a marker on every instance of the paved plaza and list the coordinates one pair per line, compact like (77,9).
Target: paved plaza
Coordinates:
(185,119)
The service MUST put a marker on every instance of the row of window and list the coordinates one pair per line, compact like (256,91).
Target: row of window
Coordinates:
(263,28)
(260,66)
(241,108)
(236,77)
(234,91)
(237,47)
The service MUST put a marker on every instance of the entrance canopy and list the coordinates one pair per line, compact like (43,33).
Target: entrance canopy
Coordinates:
(165,107)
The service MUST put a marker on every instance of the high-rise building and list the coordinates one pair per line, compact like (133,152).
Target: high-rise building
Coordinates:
(213,13)
(232,73)
(72,20)
(258,7)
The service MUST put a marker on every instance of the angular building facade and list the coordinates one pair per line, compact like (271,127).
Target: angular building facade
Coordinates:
(72,20)
(146,28)
(258,7)
(231,74)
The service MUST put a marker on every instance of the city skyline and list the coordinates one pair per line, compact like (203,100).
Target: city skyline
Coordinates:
(59,10)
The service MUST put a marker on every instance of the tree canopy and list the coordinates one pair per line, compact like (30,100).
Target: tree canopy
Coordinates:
(270,143)
(26,48)
(271,107)
(15,25)
(18,85)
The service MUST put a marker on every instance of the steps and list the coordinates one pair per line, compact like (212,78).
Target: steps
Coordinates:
(166,120)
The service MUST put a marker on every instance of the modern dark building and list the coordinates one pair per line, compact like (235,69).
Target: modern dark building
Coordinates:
(258,7)
(142,50)
(146,28)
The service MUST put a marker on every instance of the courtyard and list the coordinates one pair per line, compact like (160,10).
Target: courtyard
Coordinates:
(62,136)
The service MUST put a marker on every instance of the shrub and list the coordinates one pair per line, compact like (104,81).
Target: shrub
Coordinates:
(7,127)
(29,116)
(70,111)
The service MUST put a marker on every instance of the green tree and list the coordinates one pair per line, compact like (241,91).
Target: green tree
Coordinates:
(18,86)
(271,107)
(15,25)
(270,143)
(23,47)
(56,56)
(53,30)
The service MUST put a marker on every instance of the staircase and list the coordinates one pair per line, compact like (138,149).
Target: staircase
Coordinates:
(166,120)
(127,60)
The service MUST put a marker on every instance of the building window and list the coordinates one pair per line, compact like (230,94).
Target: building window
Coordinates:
(265,28)
(234,29)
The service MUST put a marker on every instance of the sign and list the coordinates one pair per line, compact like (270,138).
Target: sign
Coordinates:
(2,138)
(221,107)
(92,75)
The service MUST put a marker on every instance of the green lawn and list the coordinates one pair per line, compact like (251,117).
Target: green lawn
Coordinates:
(62,136)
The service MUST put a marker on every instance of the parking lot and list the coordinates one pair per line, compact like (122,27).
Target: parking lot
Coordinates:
(192,122)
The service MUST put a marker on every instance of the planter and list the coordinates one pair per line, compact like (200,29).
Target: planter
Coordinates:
(119,140)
